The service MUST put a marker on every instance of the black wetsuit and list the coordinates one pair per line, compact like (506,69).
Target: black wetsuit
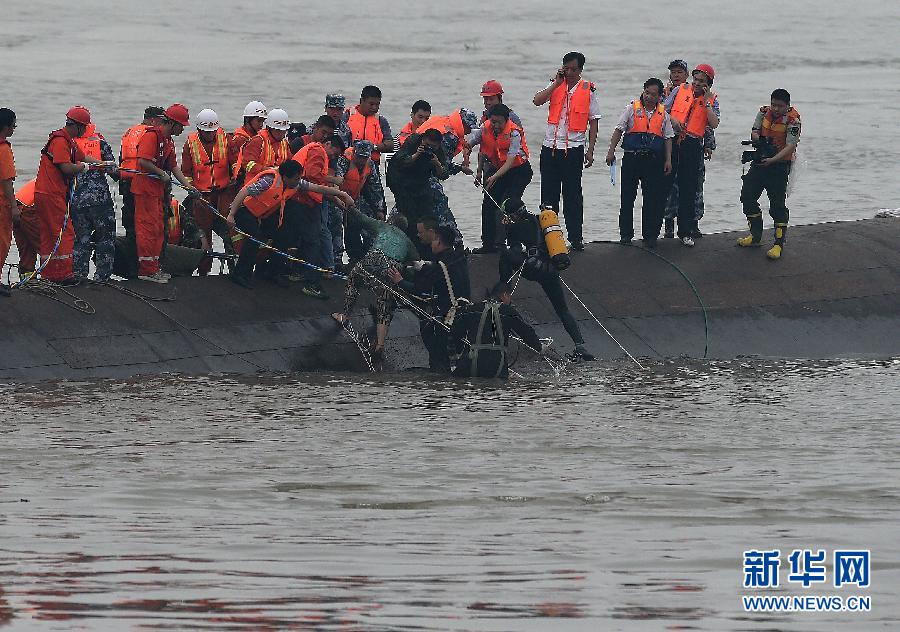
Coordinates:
(482,341)
(431,280)
(526,243)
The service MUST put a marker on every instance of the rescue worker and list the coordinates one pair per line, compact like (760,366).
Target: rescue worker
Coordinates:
(269,148)
(504,155)
(692,107)
(409,172)
(779,123)
(454,128)
(320,131)
(93,213)
(255,114)
(260,210)
(446,280)
(153,116)
(572,119)
(365,123)
(204,159)
(27,231)
(391,250)
(479,337)
(527,251)
(157,159)
(315,235)
(9,209)
(61,161)
(357,171)
(335,104)
(647,160)
(492,94)
(492,235)
(678,72)
(420,112)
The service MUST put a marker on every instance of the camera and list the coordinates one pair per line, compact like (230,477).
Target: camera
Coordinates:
(762,148)
(428,152)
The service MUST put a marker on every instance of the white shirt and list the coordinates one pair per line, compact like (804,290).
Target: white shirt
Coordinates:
(557,133)
(626,121)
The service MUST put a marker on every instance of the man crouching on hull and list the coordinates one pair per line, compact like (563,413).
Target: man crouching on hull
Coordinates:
(775,134)
(480,335)
(528,251)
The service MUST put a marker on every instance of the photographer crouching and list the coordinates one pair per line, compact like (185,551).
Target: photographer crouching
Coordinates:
(774,136)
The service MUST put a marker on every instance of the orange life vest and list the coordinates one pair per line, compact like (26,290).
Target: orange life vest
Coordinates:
(209,173)
(579,105)
(496,147)
(451,123)
(128,153)
(311,198)
(50,177)
(646,133)
(240,136)
(272,155)
(366,128)
(270,200)
(89,144)
(405,133)
(173,223)
(776,129)
(354,179)
(690,111)
(25,196)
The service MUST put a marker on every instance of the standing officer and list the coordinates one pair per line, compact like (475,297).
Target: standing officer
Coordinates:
(574,107)
(647,160)
(778,127)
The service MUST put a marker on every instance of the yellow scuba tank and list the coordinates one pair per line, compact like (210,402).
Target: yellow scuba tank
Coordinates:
(553,237)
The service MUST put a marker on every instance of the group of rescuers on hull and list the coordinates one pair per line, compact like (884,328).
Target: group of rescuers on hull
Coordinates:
(312,191)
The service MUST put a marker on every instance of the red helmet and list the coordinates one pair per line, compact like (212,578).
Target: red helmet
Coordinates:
(707,70)
(178,113)
(491,89)
(79,114)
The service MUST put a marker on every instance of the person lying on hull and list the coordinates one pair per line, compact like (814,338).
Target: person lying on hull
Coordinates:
(528,251)
(479,337)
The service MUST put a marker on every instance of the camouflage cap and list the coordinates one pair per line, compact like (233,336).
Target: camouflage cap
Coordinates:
(335,101)
(363,148)
(468,117)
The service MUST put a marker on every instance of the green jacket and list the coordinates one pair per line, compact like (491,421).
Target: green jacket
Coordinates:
(389,239)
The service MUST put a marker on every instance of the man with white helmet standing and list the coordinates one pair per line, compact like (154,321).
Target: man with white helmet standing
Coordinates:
(269,148)
(255,114)
(204,159)
(156,158)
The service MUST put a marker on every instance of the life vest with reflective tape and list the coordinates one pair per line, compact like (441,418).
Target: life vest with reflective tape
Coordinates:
(366,128)
(579,105)
(272,155)
(690,111)
(209,172)
(128,152)
(354,179)
(777,128)
(270,200)
(646,133)
(311,198)
(240,137)
(496,147)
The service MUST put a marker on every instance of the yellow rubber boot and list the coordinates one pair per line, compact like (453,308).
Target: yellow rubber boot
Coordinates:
(748,242)
(775,251)
(755,236)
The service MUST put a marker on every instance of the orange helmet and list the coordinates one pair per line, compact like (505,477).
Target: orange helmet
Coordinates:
(707,70)
(491,88)
(79,114)
(178,113)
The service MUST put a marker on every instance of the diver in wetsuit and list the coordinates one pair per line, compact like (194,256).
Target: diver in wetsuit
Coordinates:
(528,250)
(480,335)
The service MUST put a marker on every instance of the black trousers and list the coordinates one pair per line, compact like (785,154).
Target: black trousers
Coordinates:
(645,169)
(308,237)
(773,180)
(686,159)
(435,339)
(130,245)
(561,170)
(511,185)
(283,237)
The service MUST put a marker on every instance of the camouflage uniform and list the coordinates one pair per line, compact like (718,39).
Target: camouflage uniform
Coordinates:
(94,221)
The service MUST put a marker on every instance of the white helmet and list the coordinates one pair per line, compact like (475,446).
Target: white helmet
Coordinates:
(207,121)
(255,108)
(278,119)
